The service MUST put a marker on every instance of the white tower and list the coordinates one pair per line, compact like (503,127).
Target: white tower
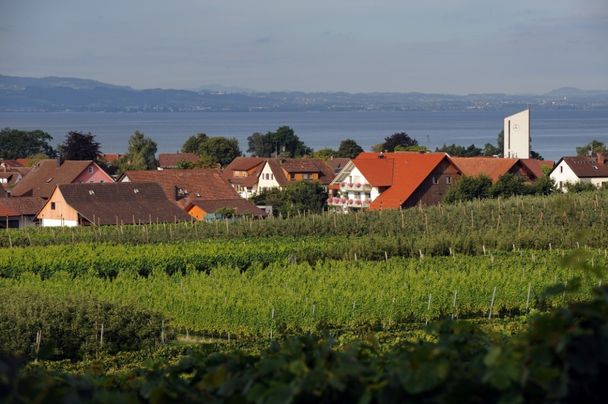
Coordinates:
(517,135)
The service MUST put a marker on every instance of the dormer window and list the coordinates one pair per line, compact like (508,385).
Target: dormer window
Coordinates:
(136,191)
(91,192)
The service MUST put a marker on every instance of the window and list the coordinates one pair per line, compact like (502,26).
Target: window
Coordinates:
(435,180)
(448,180)
(306,176)
(52,205)
(90,169)
(561,169)
(91,192)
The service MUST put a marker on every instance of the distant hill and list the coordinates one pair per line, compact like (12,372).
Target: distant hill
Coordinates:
(75,94)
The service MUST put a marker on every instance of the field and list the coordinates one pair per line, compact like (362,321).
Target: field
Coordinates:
(108,298)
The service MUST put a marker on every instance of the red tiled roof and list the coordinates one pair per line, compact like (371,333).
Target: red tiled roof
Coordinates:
(588,166)
(281,166)
(3,193)
(536,166)
(202,183)
(337,163)
(402,172)
(46,174)
(170,160)
(244,164)
(240,206)
(111,157)
(127,202)
(492,167)
(24,206)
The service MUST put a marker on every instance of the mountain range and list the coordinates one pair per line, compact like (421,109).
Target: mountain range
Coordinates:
(75,94)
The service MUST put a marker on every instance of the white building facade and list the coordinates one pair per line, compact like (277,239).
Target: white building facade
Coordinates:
(351,189)
(517,135)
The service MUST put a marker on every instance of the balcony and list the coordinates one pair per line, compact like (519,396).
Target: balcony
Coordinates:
(348,203)
(355,186)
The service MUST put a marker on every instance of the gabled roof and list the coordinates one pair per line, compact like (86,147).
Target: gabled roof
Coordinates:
(240,206)
(282,166)
(253,165)
(201,183)
(244,163)
(126,202)
(492,167)
(24,206)
(536,166)
(409,172)
(46,174)
(337,163)
(588,166)
(401,172)
(170,160)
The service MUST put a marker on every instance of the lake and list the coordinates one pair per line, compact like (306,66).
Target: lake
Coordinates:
(554,133)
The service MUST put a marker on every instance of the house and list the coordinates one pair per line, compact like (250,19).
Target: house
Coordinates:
(591,168)
(11,172)
(213,209)
(393,180)
(183,186)
(252,175)
(18,212)
(243,174)
(47,174)
(172,160)
(337,163)
(494,168)
(84,204)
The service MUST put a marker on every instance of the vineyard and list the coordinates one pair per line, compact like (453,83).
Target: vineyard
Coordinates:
(197,291)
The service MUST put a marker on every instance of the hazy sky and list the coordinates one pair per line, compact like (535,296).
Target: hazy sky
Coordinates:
(449,46)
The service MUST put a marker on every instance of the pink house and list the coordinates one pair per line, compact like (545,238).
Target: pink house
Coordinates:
(46,174)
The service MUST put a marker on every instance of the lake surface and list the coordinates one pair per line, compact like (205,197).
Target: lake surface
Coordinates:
(554,133)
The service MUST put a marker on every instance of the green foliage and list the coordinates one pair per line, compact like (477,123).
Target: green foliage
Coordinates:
(79,146)
(70,328)
(185,165)
(349,149)
(220,150)
(325,153)
(416,148)
(283,142)
(561,358)
(398,139)
(455,150)
(141,154)
(15,143)
(595,146)
(469,188)
(299,197)
(193,143)
(509,185)
(580,186)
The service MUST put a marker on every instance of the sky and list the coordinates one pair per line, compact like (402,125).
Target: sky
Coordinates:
(434,46)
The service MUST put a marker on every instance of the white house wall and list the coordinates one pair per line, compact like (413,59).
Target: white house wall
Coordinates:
(264,183)
(562,174)
(59,223)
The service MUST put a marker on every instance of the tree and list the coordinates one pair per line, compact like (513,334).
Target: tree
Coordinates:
(141,153)
(469,188)
(544,185)
(510,185)
(325,153)
(455,150)
(193,143)
(79,146)
(398,139)
(15,143)
(349,148)
(412,148)
(595,146)
(281,142)
(221,150)
(296,198)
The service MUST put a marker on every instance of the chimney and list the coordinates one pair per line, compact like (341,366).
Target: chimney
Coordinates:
(381,155)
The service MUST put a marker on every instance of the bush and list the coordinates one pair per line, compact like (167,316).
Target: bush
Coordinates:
(580,186)
(469,188)
(71,329)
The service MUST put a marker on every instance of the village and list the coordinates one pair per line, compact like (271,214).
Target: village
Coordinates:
(54,192)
